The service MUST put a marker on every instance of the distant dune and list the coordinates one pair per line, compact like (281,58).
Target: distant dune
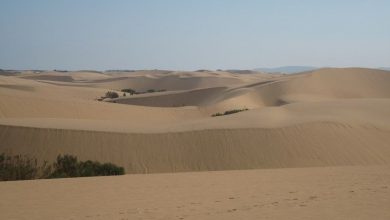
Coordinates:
(327,117)
(287,69)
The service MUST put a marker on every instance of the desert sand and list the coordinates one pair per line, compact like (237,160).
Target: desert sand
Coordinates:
(357,192)
(313,145)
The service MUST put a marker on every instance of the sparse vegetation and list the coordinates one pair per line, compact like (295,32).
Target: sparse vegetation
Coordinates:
(131,91)
(61,71)
(134,92)
(229,112)
(20,167)
(112,95)
(68,166)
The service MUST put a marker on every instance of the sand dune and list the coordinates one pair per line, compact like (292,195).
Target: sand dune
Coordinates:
(325,134)
(339,193)
(64,76)
(323,84)
(305,145)
(328,117)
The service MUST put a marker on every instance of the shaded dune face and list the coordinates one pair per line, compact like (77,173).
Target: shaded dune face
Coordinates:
(327,117)
(324,84)
(197,97)
(306,145)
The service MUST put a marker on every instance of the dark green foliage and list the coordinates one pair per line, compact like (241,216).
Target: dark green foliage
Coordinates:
(17,167)
(24,168)
(217,114)
(20,167)
(112,95)
(65,166)
(92,168)
(109,169)
(68,166)
(131,91)
(229,112)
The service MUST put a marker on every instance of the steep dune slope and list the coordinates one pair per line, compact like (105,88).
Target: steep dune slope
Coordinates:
(305,145)
(321,85)
(327,84)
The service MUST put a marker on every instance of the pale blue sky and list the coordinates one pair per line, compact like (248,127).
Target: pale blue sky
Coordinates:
(188,35)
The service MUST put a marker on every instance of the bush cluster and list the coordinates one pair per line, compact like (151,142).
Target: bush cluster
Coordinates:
(111,95)
(69,166)
(229,112)
(134,92)
(20,168)
(131,91)
(25,168)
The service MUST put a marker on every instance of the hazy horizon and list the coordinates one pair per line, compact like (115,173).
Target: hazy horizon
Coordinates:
(191,35)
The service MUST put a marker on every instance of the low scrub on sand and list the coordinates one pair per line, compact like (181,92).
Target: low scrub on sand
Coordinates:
(229,112)
(111,95)
(25,168)
(69,166)
(133,92)
(21,168)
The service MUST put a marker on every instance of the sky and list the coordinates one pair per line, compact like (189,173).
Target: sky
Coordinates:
(193,34)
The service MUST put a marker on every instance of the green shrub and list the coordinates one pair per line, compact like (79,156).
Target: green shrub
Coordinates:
(89,168)
(20,167)
(112,95)
(229,112)
(25,168)
(94,168)
(65,166)
(131,91)
(109,169)
(68,166)
(217,114)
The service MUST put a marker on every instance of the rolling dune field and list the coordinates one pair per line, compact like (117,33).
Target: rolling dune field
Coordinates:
(309,142)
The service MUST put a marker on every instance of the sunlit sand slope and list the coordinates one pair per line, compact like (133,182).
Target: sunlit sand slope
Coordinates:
(339,193)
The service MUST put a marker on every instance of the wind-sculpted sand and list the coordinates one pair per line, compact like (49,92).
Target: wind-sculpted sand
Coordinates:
(325,134)
(359,192)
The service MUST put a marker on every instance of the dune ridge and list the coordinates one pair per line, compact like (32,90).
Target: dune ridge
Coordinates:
(305,145)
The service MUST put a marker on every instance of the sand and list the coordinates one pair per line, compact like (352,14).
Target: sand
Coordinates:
(304,193)
(299,129)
